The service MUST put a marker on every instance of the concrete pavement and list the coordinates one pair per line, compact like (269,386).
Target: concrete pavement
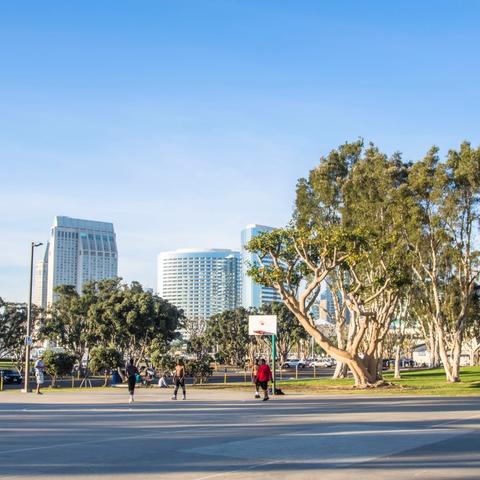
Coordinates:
(227,434)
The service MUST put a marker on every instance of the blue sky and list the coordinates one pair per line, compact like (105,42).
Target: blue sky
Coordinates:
(183,121)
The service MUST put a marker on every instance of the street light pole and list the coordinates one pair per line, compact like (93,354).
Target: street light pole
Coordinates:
(28,339)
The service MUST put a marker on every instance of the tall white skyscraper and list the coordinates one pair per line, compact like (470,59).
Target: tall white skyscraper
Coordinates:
(78,251)
(200,282)
(40,281)
(253,294)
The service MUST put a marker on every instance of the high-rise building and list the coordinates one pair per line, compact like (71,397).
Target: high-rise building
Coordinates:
(200,282)
(326,306)
(253,294)
(40,281)
(78,251)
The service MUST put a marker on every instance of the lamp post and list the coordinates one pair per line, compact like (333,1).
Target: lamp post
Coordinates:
(28,340)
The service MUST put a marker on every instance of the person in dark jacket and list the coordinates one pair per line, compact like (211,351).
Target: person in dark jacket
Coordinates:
(264,375)
(132,372)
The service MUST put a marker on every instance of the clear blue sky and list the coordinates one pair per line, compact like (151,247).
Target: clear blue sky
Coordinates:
(183,121)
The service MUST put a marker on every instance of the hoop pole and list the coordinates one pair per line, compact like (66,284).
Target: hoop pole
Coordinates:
(274,357)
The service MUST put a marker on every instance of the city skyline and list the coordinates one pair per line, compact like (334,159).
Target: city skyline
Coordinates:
(78,251)
(201,283)
(202,120)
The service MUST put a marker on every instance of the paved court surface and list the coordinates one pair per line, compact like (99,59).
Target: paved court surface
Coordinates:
(225,434)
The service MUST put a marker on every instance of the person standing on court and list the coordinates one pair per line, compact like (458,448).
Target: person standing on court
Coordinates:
(39,373)
(131,371)
(179,379)
(264,375)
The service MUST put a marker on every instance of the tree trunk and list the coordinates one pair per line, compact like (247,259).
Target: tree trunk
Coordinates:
(456,355)
(360,373)
(442,349)
(341,370)
(372,365)
(397,375)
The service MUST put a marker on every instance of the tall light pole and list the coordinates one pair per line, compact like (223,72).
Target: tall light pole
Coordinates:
(28,339)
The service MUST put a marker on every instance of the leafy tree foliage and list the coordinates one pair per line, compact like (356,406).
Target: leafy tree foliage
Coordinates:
(67,322)
(13,328)
(104,358)
(227,335)
(58,364)
(162,362)
(441,222)
(345,228)
(199,368)
(376,228)
(111,314)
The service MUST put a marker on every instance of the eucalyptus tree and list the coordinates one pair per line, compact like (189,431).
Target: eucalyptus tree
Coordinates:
(441,224)
(66,321)
(346,227)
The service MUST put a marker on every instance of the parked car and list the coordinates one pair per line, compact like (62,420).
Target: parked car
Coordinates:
(10,376)
(323,363)
(294,363)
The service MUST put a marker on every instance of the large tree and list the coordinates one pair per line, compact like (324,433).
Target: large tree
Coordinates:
(441,224)
(111,313)
(13,328)
(66,321)
(346,222)
(128,317)
(227,335)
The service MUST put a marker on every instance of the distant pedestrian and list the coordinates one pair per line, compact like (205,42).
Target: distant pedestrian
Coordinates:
(149,376)
(254,374)
(132,371)
(179,379)
(162,383)
(39,373)
(264,375)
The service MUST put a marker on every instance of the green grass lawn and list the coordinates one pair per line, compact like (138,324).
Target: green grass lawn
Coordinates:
(419,382)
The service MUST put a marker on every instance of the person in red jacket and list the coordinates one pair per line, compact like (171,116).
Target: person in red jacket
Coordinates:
(264,375)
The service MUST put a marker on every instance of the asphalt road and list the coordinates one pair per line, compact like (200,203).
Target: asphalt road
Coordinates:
(229,435)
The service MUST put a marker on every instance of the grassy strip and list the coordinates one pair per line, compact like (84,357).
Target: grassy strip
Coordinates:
(418,382)
(423,382)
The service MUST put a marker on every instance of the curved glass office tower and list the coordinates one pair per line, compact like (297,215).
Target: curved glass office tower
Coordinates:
(200,282)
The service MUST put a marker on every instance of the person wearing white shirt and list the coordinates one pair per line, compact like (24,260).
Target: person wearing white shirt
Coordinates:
(39,373)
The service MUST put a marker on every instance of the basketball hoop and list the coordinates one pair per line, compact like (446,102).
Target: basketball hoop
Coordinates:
(262,325)
(262,332)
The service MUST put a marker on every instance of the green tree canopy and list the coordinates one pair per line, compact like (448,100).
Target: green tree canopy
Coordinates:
(227,335)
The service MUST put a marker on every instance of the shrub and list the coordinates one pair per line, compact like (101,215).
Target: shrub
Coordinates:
(58,364)
(199,369)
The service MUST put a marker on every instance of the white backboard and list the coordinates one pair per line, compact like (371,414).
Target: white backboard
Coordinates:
(262,325)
